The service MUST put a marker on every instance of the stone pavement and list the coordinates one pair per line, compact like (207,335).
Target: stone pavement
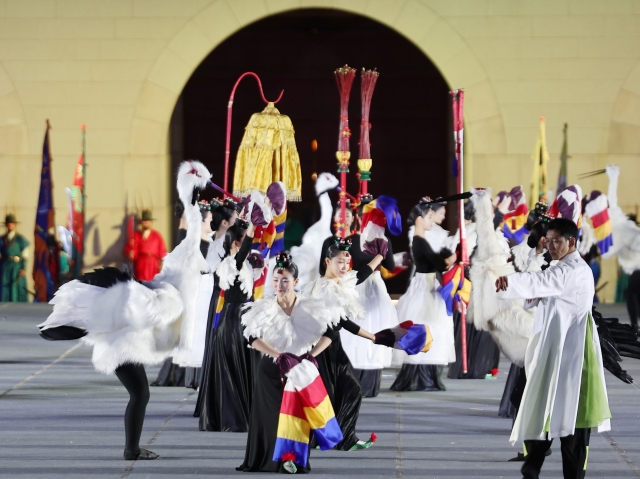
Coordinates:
(61,419)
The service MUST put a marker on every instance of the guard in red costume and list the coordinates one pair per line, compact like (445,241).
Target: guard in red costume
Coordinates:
(146,249)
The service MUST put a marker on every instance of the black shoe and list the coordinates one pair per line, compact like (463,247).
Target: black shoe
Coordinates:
(141,455)
(520,457)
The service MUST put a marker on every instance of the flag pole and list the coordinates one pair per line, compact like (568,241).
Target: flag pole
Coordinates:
(457,97)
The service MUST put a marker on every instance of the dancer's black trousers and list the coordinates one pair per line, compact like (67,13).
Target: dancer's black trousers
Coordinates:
(633,297)
(575,450)
(134,378)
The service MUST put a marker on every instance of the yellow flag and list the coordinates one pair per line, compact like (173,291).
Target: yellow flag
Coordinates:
(540,159)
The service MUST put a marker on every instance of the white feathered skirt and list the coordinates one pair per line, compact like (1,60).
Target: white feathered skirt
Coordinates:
(380,313)
(192,357)
(422,304)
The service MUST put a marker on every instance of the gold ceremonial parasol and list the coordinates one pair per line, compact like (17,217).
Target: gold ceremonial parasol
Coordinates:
(268,153)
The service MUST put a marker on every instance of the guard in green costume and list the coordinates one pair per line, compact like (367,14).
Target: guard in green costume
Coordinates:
(565,396)
(14,253)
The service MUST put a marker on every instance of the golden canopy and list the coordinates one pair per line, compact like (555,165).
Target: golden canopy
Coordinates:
(268,153)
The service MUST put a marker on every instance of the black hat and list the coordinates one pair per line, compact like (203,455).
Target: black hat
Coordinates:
(10,218)
(146,216)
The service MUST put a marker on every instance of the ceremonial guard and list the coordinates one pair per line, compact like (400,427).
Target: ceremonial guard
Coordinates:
(14,253)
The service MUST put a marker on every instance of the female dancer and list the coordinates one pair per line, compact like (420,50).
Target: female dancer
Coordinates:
(337,288)
(223,215)
(423,304)
(285,323)
(131,324)
(227,401)
(367,359)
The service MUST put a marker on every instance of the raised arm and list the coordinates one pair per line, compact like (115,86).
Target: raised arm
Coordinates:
(245,249)
(537,284)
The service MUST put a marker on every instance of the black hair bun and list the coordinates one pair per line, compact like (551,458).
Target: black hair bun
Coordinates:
(242,223)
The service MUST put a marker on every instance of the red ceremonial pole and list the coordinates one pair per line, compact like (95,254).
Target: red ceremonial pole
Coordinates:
(457,97)
(344,79)
(227,149)
(368,79)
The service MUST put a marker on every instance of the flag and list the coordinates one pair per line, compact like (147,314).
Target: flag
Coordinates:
(305,408)
(514,224)
(401,266)
(406,336)
(597,209)
(562,177)
(45,226)
(454,287)
(77,217)
(540,159)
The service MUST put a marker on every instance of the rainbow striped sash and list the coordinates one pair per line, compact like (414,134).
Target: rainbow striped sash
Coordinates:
(597,209)
(455,287)
(305,408)
(219,306)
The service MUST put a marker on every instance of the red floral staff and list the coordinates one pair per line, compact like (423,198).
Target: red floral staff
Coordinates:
(457,99)
(368,79)
(344,79)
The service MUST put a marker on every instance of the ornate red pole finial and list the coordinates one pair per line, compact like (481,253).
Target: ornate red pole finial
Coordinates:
(368,79)
(344,79)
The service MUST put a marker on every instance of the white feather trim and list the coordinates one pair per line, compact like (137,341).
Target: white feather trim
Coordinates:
(340,297)
(296,334)
(507,321)
(128,322)
(521,253)
(587,238)
(228,274)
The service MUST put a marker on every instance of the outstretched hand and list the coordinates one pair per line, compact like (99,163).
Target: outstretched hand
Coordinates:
(502,284)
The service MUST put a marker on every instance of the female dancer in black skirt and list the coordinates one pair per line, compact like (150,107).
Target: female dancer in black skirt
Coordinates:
(227,399)
(223,215)
(337,288)
(285,323)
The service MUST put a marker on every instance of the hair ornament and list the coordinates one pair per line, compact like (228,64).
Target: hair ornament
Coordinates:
(283,259)
(344,244)
(242,223)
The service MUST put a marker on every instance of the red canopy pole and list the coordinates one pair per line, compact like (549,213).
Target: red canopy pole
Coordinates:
(457,97)
(344,79)
(227,150)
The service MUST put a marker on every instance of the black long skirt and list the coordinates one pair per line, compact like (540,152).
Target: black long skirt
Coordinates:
(207,358)
(369,381)
(263,422)
(483,353)
(344,390)
(507,408)
(419,377)
(170,374)
(227,400)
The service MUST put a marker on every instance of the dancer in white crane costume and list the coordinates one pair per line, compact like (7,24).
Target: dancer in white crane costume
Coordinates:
(132,324)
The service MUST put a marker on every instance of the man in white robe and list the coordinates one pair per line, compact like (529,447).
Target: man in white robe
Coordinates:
(565,395)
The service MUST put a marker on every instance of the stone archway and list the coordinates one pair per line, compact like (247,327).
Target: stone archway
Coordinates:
(419,23)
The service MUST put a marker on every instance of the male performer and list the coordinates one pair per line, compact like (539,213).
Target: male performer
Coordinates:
(565,395)
(13,263)
(146,249)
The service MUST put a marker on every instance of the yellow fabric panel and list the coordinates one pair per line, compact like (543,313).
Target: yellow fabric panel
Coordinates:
(294,428)
(319,415)
(268,153)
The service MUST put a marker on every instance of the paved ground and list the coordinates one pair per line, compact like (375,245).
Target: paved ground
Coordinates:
(61,419)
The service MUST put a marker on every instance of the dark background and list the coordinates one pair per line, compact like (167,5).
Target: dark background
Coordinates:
(411,135)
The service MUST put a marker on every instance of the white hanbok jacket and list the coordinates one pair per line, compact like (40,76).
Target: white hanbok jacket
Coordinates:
(555,353)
